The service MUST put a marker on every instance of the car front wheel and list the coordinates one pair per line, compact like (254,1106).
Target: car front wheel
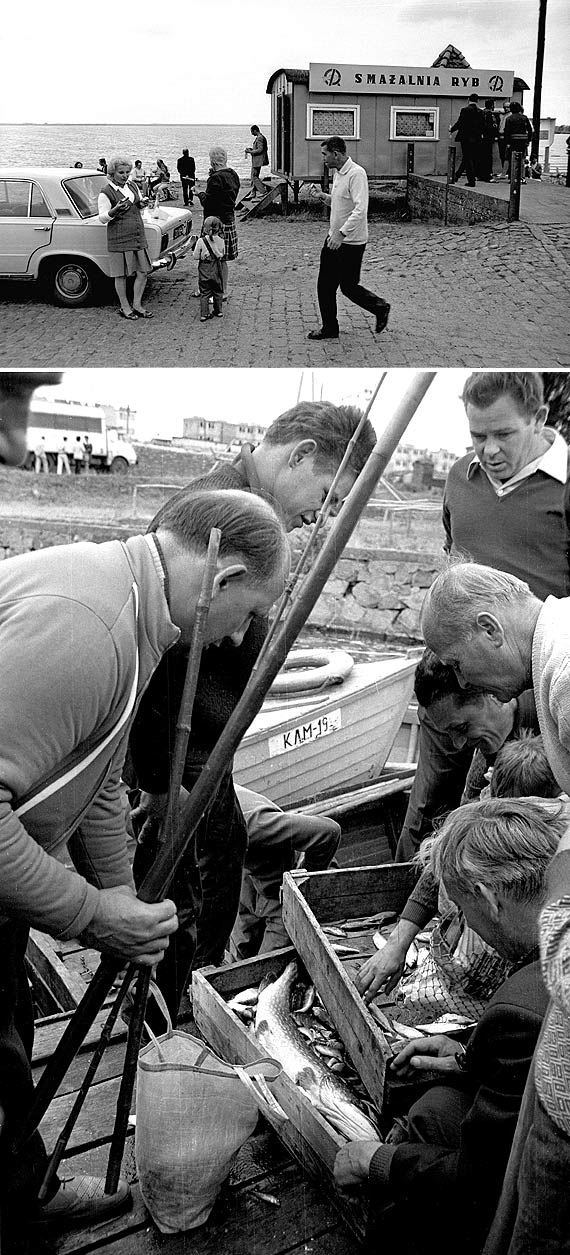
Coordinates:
(119,466)
(71,282)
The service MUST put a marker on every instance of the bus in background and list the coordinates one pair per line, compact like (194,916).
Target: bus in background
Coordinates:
(55,419)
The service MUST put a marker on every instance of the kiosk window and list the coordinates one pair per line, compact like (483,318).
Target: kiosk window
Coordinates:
(411,123)
(325,120)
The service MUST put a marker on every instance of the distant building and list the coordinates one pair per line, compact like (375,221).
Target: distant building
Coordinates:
(406,455)
(219,431)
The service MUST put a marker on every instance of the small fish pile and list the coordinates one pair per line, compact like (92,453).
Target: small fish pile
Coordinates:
(304,1042)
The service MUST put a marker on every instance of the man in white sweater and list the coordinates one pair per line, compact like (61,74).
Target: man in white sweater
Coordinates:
(500,638)
(343,249)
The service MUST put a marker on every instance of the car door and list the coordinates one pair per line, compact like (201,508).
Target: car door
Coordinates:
(26,225)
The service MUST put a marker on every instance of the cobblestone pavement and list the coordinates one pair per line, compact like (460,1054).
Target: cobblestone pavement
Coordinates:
(493,295)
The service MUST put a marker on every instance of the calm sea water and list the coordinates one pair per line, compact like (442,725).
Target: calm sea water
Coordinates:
(62,145)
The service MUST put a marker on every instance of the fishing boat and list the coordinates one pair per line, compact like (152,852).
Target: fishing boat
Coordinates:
(328,722)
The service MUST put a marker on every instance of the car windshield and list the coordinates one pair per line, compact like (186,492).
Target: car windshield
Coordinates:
(84,190)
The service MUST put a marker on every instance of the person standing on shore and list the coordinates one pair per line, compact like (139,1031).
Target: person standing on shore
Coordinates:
(259,158)
(343,249)
(469,128)
(40,455)
(119,208)
(63,467)
(186,167)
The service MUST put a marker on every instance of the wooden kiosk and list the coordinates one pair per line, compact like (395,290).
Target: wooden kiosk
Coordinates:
(379,110)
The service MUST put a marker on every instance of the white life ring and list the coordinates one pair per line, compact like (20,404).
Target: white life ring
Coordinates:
(306,669)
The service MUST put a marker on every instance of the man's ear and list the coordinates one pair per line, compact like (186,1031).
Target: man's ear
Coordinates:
(303,449)
(489,624)
(224,578)
(540,418)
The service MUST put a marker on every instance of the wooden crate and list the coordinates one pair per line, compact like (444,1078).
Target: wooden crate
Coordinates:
(309,1137)
(312,899)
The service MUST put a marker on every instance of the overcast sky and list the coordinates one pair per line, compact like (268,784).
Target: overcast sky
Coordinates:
(162,398)
(135,62)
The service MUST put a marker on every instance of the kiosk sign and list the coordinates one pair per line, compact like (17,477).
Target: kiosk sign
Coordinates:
(406,80)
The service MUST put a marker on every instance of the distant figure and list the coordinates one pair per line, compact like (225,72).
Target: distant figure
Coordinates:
(518,133)
(343,249)
(138,176)
(469,128)
(41,462)
(78,165)
(78,455)
(63,467)
(119,209)
(87,451)
(259,158)
(501,139)
(209,251)
(219,201)
(489,162)
(186,167)
(102,165)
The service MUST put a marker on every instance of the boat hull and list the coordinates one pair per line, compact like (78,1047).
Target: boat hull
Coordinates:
(299,748)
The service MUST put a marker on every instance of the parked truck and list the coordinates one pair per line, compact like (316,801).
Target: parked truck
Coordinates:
(80,424)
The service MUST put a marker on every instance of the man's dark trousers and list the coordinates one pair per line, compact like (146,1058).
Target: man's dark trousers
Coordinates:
(470,149)
(340,268)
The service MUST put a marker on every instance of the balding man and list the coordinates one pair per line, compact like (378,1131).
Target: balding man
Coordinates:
(499,637)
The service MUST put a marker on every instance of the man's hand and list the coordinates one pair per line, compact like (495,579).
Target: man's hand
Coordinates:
(335,240)
(146,818)
(352,1164)
(381,972)
(129,929)
(427,1054)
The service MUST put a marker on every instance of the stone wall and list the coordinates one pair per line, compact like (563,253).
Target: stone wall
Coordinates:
(371,592)
(426,199)
(377,592)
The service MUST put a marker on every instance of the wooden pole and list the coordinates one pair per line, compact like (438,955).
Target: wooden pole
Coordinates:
(167,838)
(156,883)
(539,69)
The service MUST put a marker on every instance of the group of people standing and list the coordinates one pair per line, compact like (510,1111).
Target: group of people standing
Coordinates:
(488,139)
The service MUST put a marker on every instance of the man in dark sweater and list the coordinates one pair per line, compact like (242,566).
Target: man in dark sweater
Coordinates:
(294,467)
(186,167)
(444,1180)
(469,128)
(504,506)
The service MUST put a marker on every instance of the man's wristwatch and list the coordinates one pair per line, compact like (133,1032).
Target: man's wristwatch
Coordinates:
(460,1058)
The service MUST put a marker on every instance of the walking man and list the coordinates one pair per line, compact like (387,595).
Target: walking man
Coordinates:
(343,249)
(469,128)
(259,159)
(186,167)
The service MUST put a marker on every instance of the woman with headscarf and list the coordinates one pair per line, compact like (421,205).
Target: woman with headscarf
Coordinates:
(219,201)
(119,208)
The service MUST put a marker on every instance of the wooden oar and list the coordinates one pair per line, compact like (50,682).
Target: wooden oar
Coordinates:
(156,883)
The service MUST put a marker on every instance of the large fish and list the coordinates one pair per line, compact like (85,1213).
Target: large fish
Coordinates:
(277,1032)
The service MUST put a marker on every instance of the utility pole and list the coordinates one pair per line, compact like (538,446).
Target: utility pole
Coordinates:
(540,42)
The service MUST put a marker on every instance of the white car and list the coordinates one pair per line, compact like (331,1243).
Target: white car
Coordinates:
(50,230)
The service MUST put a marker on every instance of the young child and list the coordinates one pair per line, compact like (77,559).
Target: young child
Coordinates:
(209,251)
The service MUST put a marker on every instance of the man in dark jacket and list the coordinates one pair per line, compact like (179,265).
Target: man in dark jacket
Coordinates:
(469,128)
(294,466)
(445,1179)
(186,167)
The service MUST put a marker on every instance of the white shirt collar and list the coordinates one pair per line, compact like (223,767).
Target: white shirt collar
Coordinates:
(553,462)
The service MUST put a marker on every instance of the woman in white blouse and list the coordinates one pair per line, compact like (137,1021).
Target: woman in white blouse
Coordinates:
(119,208)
